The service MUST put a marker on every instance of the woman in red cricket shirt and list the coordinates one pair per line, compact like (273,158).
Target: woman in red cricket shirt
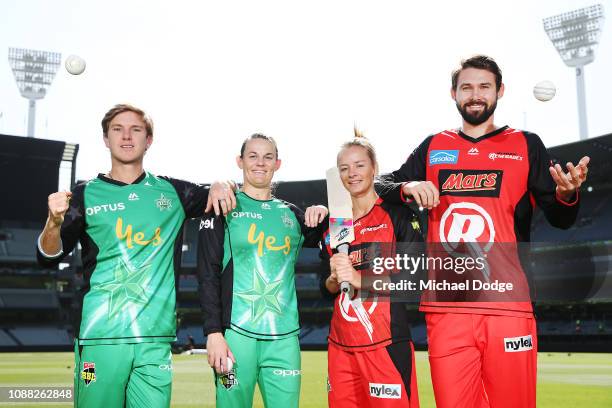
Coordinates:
(370,353)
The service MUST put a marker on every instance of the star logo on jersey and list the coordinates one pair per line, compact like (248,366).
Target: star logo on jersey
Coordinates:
(263,296)
(287,220)
(163,203)
(128,287)
(73,213)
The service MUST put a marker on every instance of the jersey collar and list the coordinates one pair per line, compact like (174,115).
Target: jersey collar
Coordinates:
(377,203)
(253,198)
(120,183)
(478,139)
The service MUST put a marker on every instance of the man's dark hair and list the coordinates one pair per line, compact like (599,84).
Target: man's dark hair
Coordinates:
(479,62)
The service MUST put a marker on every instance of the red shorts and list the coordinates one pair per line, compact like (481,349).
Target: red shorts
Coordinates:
(383,377)
(482,360)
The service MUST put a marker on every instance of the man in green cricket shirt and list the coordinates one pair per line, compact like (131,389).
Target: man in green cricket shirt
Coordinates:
(129,223)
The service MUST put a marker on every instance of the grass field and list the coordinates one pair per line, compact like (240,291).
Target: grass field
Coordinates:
(576,380)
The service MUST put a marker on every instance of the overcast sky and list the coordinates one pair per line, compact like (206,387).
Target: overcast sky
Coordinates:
(211,73)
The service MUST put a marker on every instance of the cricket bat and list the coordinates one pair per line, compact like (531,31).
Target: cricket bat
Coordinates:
(340,205)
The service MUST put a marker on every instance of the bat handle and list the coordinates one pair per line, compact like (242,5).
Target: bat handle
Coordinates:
(344,286)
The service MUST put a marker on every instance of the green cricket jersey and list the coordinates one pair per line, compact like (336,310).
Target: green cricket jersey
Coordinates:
(130,236)
(246,267)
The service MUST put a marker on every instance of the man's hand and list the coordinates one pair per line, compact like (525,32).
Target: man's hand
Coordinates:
(221,197)
(341,265)
(568,183)
(425,193)
(218,352)
(314,215)
(58,205)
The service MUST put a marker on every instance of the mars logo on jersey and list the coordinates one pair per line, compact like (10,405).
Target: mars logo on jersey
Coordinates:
(466,222)
(229,380)
(89,373)
(475,183)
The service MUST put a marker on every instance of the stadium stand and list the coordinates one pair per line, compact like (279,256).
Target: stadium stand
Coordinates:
(18,299)
(16,245)
(41,336)
(6,341)
(37,305)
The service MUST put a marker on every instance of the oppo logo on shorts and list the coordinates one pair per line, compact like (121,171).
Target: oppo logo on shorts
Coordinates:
(387,391)
(516,344)
(105,208)
(166,367)
(287,373)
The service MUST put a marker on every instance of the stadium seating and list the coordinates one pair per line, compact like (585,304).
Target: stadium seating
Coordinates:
(194,331)
(41,336)
(316,335)
(17,245)
(28,299)
(6,340)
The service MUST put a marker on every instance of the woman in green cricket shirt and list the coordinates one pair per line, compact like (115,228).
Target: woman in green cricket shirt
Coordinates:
(246,279)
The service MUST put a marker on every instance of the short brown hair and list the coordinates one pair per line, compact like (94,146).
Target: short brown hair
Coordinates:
(259,136)
(479,62)
(124,107)
(361,141)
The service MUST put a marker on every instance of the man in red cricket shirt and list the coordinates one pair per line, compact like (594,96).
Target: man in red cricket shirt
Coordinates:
(480,184)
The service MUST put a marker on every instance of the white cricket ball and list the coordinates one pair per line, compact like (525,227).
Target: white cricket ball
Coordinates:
(75,65)
(229,364)
(544,91)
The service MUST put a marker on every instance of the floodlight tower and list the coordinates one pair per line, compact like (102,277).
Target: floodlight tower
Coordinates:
(34,71)
(575,35)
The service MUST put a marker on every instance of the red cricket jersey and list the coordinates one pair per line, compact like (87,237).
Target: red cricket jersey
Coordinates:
(369,322)
(488,188)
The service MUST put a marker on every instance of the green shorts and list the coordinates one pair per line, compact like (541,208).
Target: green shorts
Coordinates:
(273,364)
(123,375)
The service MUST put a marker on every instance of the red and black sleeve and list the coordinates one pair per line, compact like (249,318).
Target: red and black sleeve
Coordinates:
(414,169)
(542,187)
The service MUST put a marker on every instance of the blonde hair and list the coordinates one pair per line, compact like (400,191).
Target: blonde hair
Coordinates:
(361,141)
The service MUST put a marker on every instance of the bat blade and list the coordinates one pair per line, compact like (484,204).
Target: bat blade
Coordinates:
(340,210)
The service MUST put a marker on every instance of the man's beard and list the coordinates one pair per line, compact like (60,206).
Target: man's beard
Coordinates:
(478,118)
